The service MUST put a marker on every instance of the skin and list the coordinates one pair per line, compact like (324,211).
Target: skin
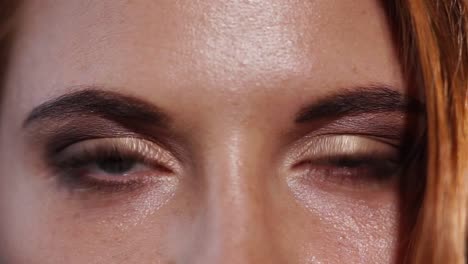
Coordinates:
(231,75)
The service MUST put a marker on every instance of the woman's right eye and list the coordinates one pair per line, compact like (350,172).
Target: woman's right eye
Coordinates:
(112,162)
(116,165)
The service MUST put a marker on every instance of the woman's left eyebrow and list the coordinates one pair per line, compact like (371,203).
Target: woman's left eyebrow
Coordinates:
(360,100)
(96,102)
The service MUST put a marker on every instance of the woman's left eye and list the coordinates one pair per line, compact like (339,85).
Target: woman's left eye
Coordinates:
(352,162)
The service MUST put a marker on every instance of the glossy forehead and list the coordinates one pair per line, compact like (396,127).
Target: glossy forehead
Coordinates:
(215,46)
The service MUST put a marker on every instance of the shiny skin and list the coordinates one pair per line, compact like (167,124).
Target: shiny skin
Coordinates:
(232,74)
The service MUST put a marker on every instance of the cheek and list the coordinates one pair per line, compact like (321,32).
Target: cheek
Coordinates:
(347,229)
(42,221)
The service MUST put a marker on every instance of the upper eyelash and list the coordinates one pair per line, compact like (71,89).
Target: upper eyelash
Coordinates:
(384,168)
(87,157)
(361,158)
(128,148)
(368,158)
(69,176)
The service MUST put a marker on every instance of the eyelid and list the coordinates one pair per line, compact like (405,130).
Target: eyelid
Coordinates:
(150,152)
(346,145)
(331,145)
(319,162)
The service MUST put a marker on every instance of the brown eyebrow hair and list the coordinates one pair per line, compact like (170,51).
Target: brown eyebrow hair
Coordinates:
(360,100)
(94,102)
(111,105)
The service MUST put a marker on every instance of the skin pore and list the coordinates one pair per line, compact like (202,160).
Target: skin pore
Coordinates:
(211,131)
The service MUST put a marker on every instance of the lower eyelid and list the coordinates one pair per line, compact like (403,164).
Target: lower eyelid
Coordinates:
(338,183)
(142,175)
(368,176)
(85,181)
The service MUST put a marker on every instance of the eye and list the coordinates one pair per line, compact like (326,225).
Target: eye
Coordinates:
(351,162)
(116,165)
(114,162)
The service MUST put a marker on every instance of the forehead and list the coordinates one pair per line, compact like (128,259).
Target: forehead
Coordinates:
(209,46)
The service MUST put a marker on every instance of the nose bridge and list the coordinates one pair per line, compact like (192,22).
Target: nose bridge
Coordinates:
(235,220)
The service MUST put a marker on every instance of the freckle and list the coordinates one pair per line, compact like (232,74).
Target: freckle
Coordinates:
(354,69)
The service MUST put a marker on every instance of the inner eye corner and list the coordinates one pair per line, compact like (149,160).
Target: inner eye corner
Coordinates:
(300,164)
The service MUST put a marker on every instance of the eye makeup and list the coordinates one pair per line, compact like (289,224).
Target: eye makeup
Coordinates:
(349,161)
(100,146)
(111,164)
(91,146)
(359,152)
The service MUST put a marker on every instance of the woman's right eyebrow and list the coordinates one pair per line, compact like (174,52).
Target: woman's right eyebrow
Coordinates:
(93,101)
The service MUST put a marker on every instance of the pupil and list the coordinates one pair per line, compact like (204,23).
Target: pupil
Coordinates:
(116,165)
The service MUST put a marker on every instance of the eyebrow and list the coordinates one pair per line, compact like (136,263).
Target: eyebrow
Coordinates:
(94,102)
(360,100)
(111,105)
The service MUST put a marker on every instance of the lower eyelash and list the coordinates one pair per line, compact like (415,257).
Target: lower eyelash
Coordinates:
(353,162)
(357,170)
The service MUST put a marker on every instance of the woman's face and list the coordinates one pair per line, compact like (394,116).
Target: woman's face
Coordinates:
(210,131)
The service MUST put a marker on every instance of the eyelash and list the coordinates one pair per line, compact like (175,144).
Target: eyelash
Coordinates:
(75,174)
(350,162)
(355,169)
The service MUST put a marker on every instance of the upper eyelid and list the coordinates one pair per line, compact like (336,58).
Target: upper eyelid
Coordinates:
(306,147)
(52,138)
(149,150)
(349,141)
(390,126)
